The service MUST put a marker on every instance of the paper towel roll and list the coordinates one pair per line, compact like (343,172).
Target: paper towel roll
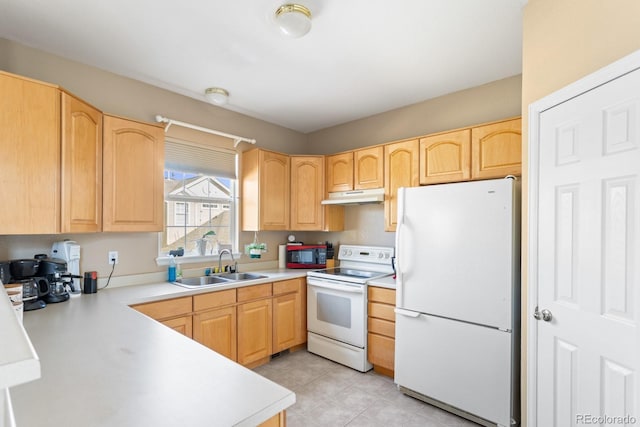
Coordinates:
(282,256)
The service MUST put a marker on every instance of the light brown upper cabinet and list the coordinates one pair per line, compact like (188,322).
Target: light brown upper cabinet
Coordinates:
(356,170)
(401,170)
(265,190)
(81,179)
(30,147)
(496,149)
(445,157)
(133,167)
(368,168)
(340,172)
(307,191)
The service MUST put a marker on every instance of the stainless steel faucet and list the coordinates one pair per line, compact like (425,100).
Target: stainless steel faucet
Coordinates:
(235,263)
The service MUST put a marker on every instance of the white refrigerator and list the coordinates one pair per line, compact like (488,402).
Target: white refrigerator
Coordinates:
(458,298)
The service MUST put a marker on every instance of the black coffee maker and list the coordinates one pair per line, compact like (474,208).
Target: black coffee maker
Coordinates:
(54,270)
(34,288)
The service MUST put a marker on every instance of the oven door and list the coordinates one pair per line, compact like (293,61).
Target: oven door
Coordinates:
(337,310)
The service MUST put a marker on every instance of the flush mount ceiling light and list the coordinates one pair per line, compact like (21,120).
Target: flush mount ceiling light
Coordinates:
(294,20)
(216,95)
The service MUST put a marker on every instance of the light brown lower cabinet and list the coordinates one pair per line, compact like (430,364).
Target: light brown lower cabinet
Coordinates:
(174,313)
(217,330)
(254,332)
(181,324)
(289,314)
(214,321)
(381,330)
(255,324)
(246,325)
(278,420)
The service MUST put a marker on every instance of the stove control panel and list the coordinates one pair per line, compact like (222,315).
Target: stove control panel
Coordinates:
(370,254)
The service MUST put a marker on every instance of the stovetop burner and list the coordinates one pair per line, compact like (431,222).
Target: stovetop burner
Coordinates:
(358,264)
(349,272)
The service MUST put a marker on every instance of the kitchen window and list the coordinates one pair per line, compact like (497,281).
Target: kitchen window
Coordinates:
(200,194)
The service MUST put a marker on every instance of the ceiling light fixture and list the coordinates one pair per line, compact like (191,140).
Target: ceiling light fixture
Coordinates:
(294,20)
(216,95)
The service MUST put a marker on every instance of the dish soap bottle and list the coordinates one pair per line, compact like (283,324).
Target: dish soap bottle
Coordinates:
(178,271)
(172,269)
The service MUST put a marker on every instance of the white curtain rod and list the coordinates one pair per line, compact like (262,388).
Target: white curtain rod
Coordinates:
(236,139)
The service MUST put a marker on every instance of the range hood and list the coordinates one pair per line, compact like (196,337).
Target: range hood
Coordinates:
(355,197)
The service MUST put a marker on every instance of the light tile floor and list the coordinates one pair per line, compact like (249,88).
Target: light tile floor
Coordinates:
(329,394)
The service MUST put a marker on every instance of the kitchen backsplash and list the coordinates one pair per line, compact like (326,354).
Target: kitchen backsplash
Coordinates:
(363,225)
(137,252)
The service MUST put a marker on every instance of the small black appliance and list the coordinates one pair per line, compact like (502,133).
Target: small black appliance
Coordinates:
(54,270)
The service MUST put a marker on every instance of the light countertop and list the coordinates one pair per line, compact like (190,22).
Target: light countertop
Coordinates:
(18,360)
(385,282)
(105,364)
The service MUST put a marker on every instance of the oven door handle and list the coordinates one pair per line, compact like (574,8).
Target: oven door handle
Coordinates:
(337,287)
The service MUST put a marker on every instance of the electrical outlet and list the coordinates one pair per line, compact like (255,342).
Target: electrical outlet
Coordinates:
(113,257)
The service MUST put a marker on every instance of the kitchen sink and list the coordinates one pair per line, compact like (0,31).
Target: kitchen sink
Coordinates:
(199,282)
(218,279)
(235,277)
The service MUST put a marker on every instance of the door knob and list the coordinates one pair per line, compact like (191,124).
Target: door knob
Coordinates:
(542,315)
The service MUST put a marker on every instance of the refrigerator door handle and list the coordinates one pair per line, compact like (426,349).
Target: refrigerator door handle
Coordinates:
(406,313)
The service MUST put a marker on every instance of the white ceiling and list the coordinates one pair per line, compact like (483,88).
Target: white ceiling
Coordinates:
(361,57)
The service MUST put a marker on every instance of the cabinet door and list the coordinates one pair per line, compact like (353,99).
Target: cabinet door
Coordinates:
(368,168)
(265,190)
(30,147)
(254,331)
(216,329)
(381,351)
(401,160)
(166,308)
(289,315)
(445,157)
(274,191)
(81,181)
(286,318)
(133,175)
(307,191)
(496,150)
(340,172)
(180,324)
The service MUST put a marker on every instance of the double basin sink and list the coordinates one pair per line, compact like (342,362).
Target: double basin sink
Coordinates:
(218,279)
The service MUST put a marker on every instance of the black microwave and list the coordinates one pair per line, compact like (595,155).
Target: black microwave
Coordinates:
(306,256)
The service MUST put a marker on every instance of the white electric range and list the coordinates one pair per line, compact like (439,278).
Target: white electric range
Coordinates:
(337,304)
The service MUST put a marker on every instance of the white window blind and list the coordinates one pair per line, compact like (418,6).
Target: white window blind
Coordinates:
(211,161)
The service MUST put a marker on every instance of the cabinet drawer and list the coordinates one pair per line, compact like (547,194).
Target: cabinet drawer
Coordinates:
(387,296)
(167,308)
(381,351)
(214,299)
(382,311)
(254,292)
(286,286)
(382,327)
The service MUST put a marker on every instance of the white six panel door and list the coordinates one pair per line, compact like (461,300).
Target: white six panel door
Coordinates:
(588,257)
